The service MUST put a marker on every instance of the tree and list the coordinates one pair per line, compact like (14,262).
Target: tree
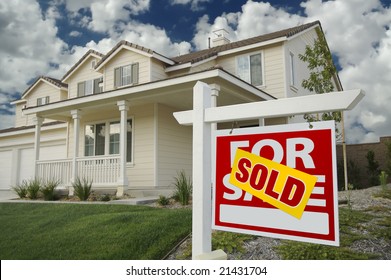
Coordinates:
(322,71)
(373,169)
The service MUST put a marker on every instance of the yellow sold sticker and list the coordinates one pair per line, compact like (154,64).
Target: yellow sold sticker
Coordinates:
(283,187)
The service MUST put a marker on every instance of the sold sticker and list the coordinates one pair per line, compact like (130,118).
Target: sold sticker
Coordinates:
(279,185)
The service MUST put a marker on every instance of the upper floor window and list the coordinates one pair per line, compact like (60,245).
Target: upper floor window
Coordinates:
(292,68)
(42,101)
(90,87)
(249,69)
(126,75)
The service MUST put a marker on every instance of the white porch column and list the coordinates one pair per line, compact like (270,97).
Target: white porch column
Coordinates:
(76,115)
(123,107)
(215,90)
(37,141)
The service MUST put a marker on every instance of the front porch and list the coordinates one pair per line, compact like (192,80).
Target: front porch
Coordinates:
(102,171)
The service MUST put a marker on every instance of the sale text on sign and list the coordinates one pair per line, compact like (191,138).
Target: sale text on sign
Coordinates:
(277,181)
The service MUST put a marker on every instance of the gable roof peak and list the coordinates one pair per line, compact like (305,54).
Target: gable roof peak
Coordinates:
(80,61)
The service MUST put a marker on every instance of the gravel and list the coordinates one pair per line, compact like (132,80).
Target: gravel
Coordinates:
(263,247)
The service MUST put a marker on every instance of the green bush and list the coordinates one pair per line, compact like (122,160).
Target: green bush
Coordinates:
(82,189)
(183,188)
(383,177)
(49,188)
(33,187)
(163,200)
(373,169)
(229,242)
(21,189)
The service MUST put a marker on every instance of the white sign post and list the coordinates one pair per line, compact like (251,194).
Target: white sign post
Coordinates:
(203,115)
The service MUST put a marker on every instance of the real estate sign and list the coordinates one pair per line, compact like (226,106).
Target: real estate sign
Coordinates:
(277,181)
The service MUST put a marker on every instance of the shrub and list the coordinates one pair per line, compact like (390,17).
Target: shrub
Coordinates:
(183,188)
(229,242)
(163,200)
(21,189)
(383,177)
(373,169)
(105,197)
(33,187)
(82,189)
(48,189)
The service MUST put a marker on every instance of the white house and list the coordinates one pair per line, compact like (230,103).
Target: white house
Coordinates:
(110,118)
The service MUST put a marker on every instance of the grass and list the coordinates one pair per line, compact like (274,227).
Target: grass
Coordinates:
(93,232)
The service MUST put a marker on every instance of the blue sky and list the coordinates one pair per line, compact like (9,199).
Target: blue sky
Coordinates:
(40,37)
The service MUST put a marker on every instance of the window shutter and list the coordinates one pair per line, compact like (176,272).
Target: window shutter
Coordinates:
(117,77)
(39,101)
(81,89)
(47,100)
(97,88)
(135,73)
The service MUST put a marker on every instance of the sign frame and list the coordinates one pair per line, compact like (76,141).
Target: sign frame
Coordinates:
(278,224)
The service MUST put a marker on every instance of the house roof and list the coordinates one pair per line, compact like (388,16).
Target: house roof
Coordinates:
(138,48)
(207,53)
(80,61)
(21,128)
(52,81)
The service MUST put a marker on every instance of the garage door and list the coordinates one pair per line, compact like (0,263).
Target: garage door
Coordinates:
(5,169)
(26,169)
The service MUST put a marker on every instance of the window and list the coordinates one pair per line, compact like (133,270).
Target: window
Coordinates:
(292,68)
(249,69)
(42,101)
(101,141)
(126,75)
(90,87)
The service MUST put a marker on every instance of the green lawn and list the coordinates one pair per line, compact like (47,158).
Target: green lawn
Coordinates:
(89,231)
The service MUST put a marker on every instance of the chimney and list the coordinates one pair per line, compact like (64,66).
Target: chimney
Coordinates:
(221,37)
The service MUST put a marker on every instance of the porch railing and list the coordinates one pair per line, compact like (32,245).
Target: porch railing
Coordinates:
(103,170)
(60,170)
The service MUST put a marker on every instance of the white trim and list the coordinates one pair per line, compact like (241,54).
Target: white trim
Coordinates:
(156,142)
(306,30)
(120,93)
(16,102)
(178,67)
(253,46)
(80,64)
(31,130)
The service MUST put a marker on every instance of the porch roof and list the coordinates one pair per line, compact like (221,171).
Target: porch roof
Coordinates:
(176,92)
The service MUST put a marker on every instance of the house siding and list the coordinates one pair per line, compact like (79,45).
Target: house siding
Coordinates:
(123,58)
(83,73)
(174,147)
(157,70)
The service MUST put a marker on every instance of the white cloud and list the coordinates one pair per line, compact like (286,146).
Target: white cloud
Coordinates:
(364,52)
(75,33)
(256,18)
(29,44)
(105,14)
(196,5)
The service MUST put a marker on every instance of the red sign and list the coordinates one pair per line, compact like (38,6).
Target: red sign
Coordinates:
(297,146)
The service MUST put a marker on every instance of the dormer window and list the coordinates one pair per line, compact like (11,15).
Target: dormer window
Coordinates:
(250,69)
(90,87)
(42,101)
(126,75)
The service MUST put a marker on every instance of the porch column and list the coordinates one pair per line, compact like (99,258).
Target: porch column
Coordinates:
(37,142)
(76,115)
(215,90)
(123,107)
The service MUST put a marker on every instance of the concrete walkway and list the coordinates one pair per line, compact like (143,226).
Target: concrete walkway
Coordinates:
(127,201)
